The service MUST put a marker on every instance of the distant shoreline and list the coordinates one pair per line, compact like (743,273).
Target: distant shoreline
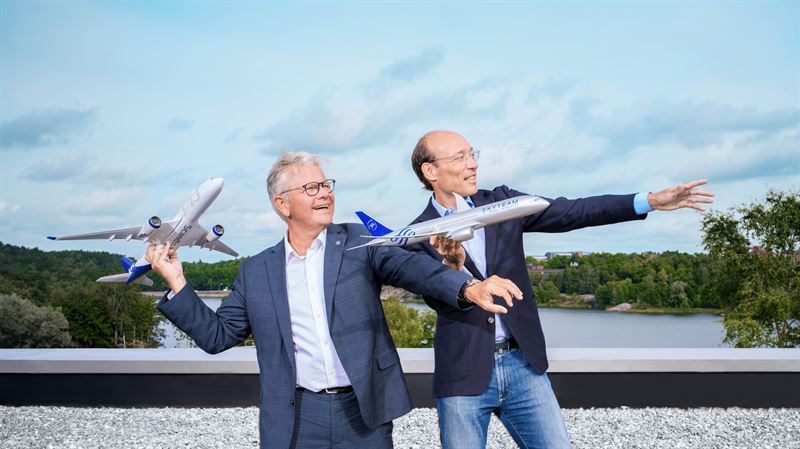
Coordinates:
(648,311)
(202,293)
(571,306)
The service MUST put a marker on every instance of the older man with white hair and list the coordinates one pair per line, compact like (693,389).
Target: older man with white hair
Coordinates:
(329,371)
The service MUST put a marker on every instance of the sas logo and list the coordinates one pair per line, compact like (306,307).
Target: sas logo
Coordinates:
(372,225)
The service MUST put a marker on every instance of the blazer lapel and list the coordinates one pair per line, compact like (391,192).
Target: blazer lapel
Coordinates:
(490,234)
(334,250)
(276,272)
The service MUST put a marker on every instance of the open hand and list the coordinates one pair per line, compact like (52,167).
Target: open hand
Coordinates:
(481,294)
(680,196)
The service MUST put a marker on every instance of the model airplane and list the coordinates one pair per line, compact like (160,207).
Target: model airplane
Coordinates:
(459,226)
(183,230)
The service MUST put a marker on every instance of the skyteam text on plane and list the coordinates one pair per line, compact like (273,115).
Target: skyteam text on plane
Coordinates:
(459,226)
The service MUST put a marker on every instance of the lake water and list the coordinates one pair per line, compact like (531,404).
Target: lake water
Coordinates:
(574,328)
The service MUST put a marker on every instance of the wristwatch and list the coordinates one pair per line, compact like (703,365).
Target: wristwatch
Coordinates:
(463,291)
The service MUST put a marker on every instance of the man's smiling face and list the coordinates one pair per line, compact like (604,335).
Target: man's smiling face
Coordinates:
(304,210)
(454,168)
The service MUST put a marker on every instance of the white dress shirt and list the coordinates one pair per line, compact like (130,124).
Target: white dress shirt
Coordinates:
(318,364)
(476,248)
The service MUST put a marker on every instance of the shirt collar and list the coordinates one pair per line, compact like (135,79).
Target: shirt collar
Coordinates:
(443,210)
(318,243)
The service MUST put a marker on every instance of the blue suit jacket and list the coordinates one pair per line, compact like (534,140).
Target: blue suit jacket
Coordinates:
(464,344)
(353,279)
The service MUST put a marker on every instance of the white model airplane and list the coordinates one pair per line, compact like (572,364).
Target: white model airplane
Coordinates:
(459,226)
(183,230)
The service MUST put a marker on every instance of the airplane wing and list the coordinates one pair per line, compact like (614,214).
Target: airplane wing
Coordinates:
(103,235)
(221,247)
(216,245)
(123,277)
(157,235)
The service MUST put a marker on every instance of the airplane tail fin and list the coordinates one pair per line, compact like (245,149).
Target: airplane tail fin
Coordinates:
(373,226)
(126,263)
(123,278)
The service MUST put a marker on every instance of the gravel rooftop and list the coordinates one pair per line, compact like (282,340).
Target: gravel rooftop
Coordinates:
(67,427)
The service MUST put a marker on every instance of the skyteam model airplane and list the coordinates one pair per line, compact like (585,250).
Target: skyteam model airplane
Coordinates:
(183,230)
(459,226)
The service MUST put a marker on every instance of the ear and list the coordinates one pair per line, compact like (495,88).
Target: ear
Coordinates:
(430,172)
(282,206)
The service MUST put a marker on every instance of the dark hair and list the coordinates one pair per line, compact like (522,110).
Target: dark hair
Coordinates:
(420,156)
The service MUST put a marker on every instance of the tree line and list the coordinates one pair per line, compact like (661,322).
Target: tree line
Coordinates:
(751,272)
(666,280)
(51,299)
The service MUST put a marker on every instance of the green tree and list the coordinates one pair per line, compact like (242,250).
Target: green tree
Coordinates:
(408,327)
(546,292)
(759,286)
(108,315)
(23,324)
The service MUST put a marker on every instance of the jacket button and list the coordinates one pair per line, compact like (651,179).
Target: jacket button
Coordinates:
(291,403)
(491,320)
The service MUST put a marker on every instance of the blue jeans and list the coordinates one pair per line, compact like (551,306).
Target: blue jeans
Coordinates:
(522,399)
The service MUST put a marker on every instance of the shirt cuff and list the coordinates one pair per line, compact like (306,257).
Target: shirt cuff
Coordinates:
(640,204)
(170,295)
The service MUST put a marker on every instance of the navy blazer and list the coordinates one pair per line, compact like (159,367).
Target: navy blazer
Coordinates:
(259,305)
(464,344)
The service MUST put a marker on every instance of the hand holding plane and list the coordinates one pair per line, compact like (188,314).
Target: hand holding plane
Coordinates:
(183,230)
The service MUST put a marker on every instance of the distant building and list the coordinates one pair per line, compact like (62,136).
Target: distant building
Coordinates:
(540,269)
(550,255)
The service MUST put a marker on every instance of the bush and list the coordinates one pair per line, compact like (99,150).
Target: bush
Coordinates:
(23,324)
(408,327)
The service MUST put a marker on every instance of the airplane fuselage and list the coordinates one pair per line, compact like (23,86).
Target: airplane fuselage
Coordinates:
(187,231)
(460,226)
(183,230)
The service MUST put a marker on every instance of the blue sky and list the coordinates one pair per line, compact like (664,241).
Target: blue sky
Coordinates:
(113,112)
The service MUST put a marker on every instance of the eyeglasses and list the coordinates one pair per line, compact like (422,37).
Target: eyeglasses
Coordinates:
(312,188)
(461,158)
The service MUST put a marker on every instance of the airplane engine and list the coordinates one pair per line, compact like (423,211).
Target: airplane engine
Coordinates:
(152,224)
(215,233)
(461,234)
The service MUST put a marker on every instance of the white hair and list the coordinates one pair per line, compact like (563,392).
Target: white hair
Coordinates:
(276,178)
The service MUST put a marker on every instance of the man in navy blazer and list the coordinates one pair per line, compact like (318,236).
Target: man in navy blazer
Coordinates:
(488,363)
(329,372)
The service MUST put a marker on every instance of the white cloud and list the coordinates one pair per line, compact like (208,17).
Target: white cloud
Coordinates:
(60,168)
(44,127)
(414,67)
(106,202)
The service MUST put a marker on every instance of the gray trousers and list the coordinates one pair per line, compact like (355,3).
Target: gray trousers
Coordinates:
(333,421)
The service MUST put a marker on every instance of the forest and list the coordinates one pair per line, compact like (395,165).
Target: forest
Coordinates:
(751,274)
